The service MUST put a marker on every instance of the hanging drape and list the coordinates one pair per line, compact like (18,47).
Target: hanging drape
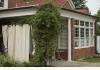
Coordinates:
(5,36)
(18,39)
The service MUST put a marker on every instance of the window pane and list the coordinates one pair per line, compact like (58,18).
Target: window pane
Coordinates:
(76,37)
(87,37)
(91,24)
(82,36)
(76,32)
(77,42)
(82,32)
(87,23)
(76,22)
(87,32)
(91,36)
(81,23)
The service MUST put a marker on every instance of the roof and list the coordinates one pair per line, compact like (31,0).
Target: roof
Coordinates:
(61,3)
(35,7)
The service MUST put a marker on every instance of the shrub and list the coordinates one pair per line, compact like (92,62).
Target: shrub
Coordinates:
(5,61)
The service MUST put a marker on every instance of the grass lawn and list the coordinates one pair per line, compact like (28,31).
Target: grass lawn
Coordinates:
(94,59)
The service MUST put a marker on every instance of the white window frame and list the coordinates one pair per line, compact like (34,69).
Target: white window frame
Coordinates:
(85,27)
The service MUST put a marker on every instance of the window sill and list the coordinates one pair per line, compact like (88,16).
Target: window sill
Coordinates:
(83,47)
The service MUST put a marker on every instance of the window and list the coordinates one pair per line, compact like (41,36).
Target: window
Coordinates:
(76,22)
(81,23)
(1,3)
(84,34)
(87,23)
(91,24)
(76,36)
(87,37)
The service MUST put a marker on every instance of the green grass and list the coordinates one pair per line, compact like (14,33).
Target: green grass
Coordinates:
(94,59)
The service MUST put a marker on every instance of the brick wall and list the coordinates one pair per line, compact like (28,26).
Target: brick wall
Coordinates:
(11,3)
(83,53)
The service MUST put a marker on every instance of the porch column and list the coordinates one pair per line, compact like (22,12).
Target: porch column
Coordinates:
(69,40)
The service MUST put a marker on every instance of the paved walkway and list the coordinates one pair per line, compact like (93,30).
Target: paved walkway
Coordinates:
(74,64)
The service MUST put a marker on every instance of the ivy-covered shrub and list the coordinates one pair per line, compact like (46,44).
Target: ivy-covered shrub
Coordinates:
(45,31)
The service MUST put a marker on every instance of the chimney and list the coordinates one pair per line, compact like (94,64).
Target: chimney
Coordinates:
(83,10)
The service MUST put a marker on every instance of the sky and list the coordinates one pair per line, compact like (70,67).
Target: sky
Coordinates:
(94,6)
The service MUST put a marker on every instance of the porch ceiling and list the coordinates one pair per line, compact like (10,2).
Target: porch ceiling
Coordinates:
(31,10)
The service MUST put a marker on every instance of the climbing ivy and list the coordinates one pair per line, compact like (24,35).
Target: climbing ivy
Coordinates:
(45,29)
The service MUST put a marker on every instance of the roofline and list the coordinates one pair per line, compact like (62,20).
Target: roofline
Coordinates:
(25,7)
(79,12)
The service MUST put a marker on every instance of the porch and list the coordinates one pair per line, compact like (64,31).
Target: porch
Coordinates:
(74,40)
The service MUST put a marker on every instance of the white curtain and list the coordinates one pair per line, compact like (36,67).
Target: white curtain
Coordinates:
(22,43)
(11,40)
(18,41)
(5,36)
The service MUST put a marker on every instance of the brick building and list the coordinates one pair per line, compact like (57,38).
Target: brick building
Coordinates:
(76,39)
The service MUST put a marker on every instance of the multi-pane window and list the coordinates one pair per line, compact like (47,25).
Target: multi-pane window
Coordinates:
(1,3)
(84,34)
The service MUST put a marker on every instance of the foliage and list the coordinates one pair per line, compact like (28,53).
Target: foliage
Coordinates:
(80,3)
(98,16)
(97,29)
(45,29)
(5,61)
(23,20)
(98,25)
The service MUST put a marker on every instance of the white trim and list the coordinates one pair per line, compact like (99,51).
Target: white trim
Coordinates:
(5,4)
(69,14)
(16,13)
(31,11)
(69,40)
(79,35)
(82,47)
